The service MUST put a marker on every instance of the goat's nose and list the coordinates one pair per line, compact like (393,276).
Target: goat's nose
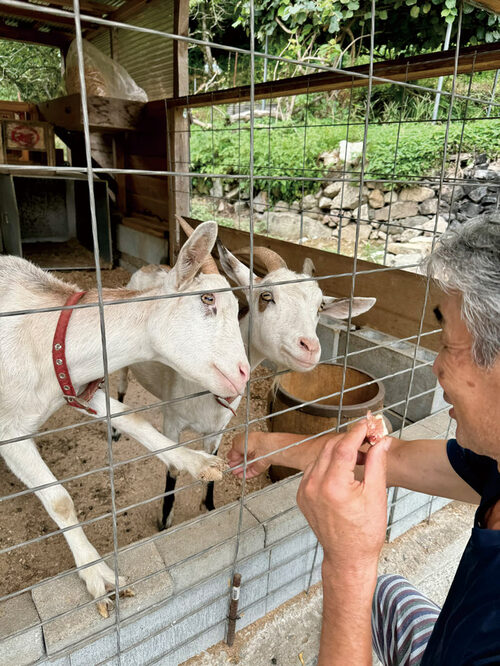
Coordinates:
(244,369)
(310,345)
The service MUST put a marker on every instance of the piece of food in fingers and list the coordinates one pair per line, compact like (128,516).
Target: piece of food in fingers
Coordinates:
(376,428)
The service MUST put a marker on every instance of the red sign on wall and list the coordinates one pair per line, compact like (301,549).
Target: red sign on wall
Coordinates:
(24,136)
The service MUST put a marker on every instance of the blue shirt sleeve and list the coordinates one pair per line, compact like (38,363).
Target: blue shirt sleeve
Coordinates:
(474,469)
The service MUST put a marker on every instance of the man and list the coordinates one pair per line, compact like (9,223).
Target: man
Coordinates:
(343,491)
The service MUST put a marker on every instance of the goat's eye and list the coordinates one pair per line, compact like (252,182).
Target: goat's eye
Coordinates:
(208,299)
(267,297)
(322,306)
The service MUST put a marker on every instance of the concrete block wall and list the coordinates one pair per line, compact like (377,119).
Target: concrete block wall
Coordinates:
(181,581)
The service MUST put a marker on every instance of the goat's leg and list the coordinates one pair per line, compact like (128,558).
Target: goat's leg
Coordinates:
(199,464)
(167,514)
(122,390)
(211,444)
(26,463)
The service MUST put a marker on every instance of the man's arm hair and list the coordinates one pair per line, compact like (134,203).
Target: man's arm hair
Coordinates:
(422,465)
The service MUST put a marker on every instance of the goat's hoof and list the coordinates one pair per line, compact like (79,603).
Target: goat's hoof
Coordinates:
(104,607)
(165,523)
(127,592)
(213,470)
(116,435)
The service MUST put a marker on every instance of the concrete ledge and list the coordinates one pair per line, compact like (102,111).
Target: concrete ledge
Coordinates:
(19,615)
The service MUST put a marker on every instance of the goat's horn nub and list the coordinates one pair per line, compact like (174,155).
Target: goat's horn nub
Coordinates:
(271,259)
(209,267)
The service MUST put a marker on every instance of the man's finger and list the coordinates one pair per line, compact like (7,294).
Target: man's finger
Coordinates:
(376,464)
(344,455)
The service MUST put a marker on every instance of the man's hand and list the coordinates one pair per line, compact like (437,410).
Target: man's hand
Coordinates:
(349,517)
(255,449)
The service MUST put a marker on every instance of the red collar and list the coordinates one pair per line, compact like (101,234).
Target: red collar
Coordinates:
(82,400)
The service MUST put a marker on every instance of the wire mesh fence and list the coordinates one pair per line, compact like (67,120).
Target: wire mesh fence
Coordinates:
(180,576)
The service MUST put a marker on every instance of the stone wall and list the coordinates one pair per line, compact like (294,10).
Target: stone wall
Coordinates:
(397,221)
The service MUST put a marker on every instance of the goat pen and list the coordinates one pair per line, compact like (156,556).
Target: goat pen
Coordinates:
(365,228)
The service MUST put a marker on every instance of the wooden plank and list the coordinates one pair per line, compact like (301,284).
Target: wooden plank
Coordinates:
(53,38)
(86,6)
(400,294)
(146,225)
(431,65)
(122,14)
(178,128)
(38,14)
(106,114)
(489,5)
(144,205)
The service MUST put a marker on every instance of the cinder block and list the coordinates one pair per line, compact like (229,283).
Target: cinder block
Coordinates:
(96,651)
(69,593)
(283,594)
(210,637)
(188,602)
(176,634)
(382,355)
(286,573)
(252,614)
(276,508)
(196,551)
(294,546)
(409,509)
(19,614)
(57,661)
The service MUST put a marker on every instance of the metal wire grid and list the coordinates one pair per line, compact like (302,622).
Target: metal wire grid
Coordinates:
(252,177)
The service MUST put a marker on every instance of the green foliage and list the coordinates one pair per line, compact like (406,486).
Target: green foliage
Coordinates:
(293,152)
(29,73)
(406,26)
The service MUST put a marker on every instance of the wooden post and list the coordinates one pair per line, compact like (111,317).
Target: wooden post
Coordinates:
(178,130)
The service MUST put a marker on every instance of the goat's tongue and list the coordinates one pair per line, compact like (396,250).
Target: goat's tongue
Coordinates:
(228,400)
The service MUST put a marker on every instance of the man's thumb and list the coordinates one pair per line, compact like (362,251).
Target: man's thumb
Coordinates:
(376,464)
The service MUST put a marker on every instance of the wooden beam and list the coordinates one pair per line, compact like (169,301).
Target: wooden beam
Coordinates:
(37,14)
(106,114)
(178,128)
(489,5)
(53,38)
(122,14)
(431,65)
(400,295)
(86,6)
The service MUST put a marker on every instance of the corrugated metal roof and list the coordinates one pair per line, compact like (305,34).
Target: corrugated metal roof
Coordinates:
(147,58)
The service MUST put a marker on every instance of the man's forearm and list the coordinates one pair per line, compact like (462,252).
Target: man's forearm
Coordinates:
(296,457)
(346,637)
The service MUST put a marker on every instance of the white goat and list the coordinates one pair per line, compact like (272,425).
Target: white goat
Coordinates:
(197,334)
(284,320)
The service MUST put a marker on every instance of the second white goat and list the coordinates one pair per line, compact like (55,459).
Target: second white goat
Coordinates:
(283,330)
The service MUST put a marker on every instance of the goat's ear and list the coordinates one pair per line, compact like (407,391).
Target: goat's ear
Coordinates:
(309,268)
(233,268)
(193,253)
(339,307)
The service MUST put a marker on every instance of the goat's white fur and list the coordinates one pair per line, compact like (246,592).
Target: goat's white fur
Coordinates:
(204,344)
(276,333)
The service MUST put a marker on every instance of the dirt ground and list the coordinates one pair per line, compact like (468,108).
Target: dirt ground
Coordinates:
(83,449)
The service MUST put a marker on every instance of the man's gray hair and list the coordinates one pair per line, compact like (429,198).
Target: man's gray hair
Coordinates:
(467,260)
